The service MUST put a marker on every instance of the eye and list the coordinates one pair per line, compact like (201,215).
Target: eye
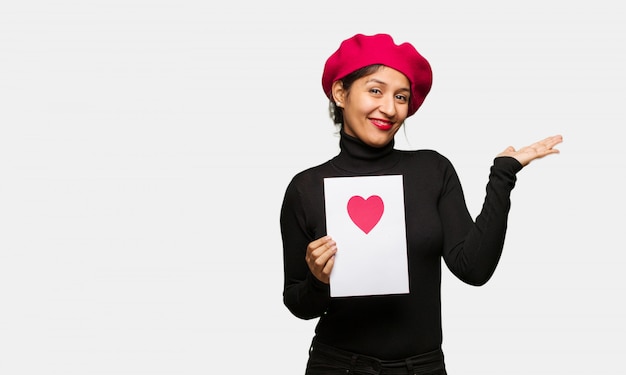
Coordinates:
(375,91)
(402,98)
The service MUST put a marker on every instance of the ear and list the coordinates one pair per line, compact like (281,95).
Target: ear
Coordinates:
(339,94)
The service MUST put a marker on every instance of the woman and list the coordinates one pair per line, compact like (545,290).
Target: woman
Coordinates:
(373,86)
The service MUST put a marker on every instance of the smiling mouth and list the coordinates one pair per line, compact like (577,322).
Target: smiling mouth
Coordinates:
(382,125)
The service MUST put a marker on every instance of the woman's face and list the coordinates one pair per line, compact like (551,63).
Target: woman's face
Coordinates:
(376,106)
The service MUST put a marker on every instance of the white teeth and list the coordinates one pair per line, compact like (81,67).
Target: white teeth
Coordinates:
(382,123)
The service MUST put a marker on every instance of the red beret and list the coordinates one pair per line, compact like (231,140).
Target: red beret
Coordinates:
(361,50)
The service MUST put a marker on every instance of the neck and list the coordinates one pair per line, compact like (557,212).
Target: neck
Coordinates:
(356,156)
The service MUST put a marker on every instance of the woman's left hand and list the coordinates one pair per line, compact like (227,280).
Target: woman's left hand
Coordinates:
(536,150)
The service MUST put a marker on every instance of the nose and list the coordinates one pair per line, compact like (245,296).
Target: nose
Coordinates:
(388,106)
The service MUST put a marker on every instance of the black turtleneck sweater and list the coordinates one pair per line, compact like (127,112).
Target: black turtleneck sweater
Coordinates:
(438,225)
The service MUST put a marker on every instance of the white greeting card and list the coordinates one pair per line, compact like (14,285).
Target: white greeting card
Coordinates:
(365,217)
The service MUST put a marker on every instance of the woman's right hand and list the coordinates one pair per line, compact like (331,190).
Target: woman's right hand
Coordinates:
(320,257)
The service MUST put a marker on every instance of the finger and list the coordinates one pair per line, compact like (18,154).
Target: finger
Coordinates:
(329,266)
(316,248)
(319,242)
(539,148)
(328,245)
(313,248)
(323,265)
(548,145)
(323,256)
(552,141)
(538,145)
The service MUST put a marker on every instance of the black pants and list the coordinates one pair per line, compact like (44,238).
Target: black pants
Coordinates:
(327,360)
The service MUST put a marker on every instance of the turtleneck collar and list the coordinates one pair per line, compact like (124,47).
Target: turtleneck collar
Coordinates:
(356,156)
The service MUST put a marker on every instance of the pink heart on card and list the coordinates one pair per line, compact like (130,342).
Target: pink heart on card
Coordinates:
(366,213)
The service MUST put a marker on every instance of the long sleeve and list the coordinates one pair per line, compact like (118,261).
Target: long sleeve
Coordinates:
(472,249)
(304,295)
(438,226)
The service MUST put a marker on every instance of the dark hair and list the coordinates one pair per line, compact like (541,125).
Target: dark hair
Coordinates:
(336,113)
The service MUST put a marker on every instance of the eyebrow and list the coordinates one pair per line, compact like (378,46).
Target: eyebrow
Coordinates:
(385,83)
